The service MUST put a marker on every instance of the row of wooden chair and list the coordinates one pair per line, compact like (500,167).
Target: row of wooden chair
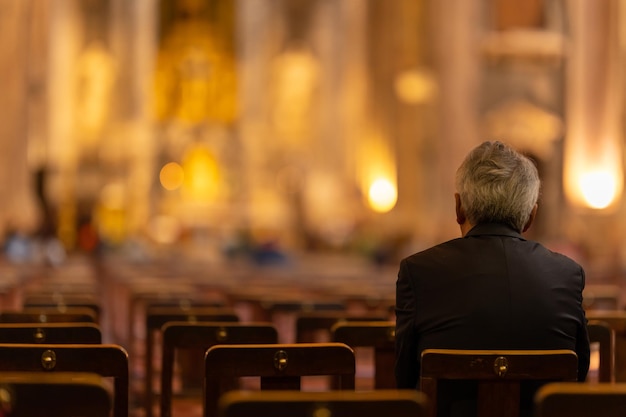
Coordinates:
(190,316)
(552,400)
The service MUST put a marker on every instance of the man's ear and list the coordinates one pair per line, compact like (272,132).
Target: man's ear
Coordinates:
(460,212)
(531,218)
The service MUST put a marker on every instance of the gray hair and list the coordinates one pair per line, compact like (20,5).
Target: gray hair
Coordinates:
(497,184)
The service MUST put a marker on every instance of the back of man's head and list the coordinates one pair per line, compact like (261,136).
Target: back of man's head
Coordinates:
(497,184)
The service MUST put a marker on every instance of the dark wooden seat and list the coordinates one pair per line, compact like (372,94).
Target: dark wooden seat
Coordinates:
(581,400)
(54,395)
(498,376)
(602,335)
(104,360)
(201,336)
(85,333)
(278,366)
(378,335)
(316,326)
(395,403)
(156,317)
(616,319)
(48,315)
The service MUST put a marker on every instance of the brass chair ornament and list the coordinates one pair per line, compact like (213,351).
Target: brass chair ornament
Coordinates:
(501,366)
(280,360)
(48,360)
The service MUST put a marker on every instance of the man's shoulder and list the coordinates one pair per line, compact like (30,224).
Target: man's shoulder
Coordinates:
(436,250)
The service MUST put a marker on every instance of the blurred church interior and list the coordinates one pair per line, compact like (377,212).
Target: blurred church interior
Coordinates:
(269,131)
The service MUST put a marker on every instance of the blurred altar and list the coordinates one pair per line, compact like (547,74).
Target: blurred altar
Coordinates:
(268,129)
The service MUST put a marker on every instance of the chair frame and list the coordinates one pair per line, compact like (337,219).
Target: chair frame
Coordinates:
(105,360)
(156,317)
(48,315)
(499,374)
(307,323)
(396,403)
(203,335)
(379,335)
(280,366)
(570,399)
(51,333)
(601,332)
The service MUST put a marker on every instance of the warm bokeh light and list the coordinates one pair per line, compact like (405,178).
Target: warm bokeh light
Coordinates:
(598,188)
(377,171)
(593,175)
(415,86)
(164,229)
(202,175)
(172,176)
(382,195)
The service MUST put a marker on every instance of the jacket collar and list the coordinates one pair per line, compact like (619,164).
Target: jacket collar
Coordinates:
(495,229)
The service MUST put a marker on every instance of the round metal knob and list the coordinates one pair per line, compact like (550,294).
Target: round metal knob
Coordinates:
(322,411)
(39,336)
(280,360)
(501,366)
(222,334)
(48,359)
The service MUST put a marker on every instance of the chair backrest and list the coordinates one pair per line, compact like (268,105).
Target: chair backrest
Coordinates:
(601,297)
(104,360)
(603,335)
(156,317)
(85,333)
(48,315)
(319,323)
(581,400)
(617,320)
(60,302)
(379,335)
(498,374)
(279,367)
(183,335)
(396,403)
(54,395)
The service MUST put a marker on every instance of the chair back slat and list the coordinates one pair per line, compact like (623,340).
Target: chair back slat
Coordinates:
(279,366)
(201,336)
(498,373)
(104,360)
(569,399)
(396,403)
(379,335)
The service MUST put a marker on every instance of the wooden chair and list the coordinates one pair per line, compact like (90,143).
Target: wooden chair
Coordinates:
(315,326)
(379,335)
(201,336)
(54,395)
(104,360)
(48,315)
(601,334)
(396,403)
(156,317)
(61,302)
(601,297)
(85,333)
(498,374)
(616,319)
(581,400)
(279,367)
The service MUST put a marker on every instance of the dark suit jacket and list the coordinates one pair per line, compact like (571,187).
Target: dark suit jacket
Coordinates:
(491,289)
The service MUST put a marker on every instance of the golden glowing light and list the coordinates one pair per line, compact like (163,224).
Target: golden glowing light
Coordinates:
(599,188)
(415,86)
(382,195)
(202,175)
(172,176)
